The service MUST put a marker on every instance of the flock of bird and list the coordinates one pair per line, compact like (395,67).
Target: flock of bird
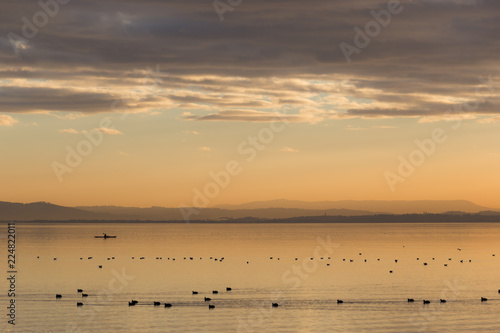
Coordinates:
(271,258)
(211,306)
(208,299)
(155,303)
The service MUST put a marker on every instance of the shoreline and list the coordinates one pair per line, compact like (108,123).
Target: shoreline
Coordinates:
(404,218)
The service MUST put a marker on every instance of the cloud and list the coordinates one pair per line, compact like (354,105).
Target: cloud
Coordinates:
(489,120)
(289,150)
(265,56)
(69,130)
(354,128)
(108,131)
(310,116)
(192,132)
(6,120)
(205,149)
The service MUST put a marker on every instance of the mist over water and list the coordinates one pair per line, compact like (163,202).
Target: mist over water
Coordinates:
(306,289)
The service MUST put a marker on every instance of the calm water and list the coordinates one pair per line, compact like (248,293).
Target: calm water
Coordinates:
(375,300)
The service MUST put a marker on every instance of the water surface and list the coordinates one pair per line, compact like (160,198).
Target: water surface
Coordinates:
(306,289)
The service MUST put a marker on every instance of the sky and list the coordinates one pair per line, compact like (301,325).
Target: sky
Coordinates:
(200,103)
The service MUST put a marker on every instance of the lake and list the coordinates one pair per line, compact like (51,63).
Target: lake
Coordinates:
(305,268)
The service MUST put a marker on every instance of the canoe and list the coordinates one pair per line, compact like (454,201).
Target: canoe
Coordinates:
(105,236)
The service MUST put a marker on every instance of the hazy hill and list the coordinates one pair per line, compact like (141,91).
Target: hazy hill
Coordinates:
(277,209)
(161,213)
(47,211)
(393,207)
(43,210)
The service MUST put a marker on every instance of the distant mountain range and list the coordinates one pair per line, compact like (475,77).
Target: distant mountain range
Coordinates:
(391,207)
(276,209)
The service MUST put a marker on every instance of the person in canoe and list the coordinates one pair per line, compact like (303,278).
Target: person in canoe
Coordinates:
(104,235)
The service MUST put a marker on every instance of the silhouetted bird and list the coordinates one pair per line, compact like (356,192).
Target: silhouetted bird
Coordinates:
(210,306)
(395,260)
(442,300)
(156,303)
(410,300)
(275,305)
(195,293)
(58,296)
(168,305)
(131,303)
(483,299)
(228,289)
(79,290)
(339,301)
(79,304)
(425,264)
(215,292)
(85,295)
(100,266)
(426,301)
(390,271)
(207,299)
